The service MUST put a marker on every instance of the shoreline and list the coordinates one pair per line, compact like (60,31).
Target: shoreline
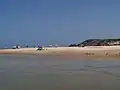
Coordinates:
(83,52)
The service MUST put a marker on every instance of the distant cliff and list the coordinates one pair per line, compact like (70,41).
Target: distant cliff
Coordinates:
(97,42)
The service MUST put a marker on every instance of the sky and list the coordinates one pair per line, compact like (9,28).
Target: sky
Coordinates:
(58,21)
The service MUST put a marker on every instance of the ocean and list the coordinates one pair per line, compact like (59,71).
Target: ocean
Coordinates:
(24,72)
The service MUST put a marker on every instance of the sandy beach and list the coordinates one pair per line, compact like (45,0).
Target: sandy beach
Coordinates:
(90,51)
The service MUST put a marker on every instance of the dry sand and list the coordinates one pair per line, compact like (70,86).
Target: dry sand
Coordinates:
(90,51)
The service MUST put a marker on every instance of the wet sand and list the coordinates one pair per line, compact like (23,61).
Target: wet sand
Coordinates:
(49,73)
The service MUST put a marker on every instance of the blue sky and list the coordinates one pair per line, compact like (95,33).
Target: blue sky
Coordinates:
(58,21)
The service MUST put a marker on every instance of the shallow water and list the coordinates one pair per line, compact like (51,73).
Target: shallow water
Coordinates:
(53,73)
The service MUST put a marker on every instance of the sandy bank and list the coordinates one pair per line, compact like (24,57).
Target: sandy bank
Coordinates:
(104,51)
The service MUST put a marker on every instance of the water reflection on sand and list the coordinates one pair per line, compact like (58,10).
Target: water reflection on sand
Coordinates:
(53,73)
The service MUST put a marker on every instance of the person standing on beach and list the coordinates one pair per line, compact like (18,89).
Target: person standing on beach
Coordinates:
(39,46)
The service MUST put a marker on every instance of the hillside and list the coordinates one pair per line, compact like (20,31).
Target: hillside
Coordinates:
(97,42)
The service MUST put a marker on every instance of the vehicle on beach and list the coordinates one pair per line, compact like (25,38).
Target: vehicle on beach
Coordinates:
(56,45)
(50,45)
(16,47)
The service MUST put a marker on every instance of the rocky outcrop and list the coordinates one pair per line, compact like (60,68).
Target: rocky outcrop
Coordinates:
(73,45)
(97,42)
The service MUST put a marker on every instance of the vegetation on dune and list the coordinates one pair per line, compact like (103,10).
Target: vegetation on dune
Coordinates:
(97,42)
